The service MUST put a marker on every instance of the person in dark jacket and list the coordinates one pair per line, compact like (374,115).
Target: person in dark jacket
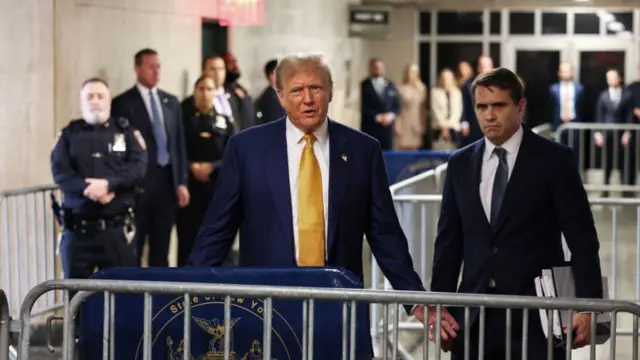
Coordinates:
(268,106)
(206,135)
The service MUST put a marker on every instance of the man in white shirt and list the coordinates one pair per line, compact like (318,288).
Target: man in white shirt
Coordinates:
(506,200)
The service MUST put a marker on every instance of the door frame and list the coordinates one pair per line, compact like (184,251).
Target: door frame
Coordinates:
(570,48)
(522,43)
(626,45)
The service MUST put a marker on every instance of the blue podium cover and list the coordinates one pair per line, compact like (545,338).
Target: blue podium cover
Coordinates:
(402,165)
(207,326)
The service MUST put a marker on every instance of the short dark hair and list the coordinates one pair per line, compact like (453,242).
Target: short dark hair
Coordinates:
(503,79)
(270,67)
(94,79)
(137,59)
(200,79)
(207,58)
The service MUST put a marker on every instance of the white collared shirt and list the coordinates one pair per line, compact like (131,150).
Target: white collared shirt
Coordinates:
(490,166)
(295,145)
(144,92)
(222,108)
(568,88)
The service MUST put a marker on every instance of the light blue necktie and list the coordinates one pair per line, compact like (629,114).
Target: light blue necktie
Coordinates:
(499,185)
(158,132)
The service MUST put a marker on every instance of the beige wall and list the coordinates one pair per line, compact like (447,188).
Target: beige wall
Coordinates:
(399,49)
(305,26)
(26,84)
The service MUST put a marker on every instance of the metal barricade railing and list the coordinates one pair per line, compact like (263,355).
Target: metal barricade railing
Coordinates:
(28,244)
(390,301)
(601,149)
(612,214)
(5,323)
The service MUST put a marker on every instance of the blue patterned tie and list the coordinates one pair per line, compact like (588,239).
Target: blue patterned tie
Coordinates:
(499,185)
(158,132)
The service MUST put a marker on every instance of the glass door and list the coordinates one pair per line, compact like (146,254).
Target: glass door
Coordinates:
(536,62)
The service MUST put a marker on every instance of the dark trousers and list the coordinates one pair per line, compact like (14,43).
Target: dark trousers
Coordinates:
(155,215)
(81,253)
(619,157)
(189,219)
(495,337)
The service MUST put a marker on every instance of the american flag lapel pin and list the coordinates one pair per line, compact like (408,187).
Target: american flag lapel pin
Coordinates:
(344,157)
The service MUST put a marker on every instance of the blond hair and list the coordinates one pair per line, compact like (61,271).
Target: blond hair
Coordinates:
(293,63)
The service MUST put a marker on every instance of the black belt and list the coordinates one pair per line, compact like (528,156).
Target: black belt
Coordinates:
(97,225)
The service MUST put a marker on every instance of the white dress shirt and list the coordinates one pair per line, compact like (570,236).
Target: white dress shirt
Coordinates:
(568,93)
(490,166)
(222,106)
(295,145)
(144,92)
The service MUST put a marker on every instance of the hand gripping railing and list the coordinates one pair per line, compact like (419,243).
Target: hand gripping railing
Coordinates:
(309,295)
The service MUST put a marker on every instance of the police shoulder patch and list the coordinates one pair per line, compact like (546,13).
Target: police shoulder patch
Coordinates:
(140,139)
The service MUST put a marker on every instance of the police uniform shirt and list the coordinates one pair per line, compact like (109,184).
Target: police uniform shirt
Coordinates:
(113,151)
(207,136)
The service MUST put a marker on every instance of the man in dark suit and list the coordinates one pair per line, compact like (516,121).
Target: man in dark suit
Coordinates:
(338,171)
(158,116)
(506,200)
(267,105)
(379,105)
(247,117)
(470,128)
(566,104)
(612,108)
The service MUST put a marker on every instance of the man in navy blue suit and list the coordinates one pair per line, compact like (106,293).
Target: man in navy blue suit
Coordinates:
(158,116)
(304,190)
(379,105)
(506,200)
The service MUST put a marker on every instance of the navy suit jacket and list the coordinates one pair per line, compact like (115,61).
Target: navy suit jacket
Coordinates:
(372,104)
(131,105)
(556,106)
(253,194)
(544,197)
(268,106)
(607,112)
(469,113)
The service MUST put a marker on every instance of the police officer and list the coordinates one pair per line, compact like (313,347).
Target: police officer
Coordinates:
(206,136)
(97,162)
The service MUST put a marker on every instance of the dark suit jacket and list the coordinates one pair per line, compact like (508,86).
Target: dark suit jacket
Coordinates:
(469,114)
(544,197)
(268,106)
(131,105)
(372,104)
(607,112)
(556,106)
(253,194)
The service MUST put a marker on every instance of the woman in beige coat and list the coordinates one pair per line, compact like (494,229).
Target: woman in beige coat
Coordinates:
(410,124)
(446,110)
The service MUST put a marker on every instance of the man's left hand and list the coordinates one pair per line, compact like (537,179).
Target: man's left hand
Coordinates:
(183,196)
(97,188)
(418,312)
(582,326)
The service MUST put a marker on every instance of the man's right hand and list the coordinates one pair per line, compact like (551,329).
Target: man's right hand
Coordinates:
(448,330)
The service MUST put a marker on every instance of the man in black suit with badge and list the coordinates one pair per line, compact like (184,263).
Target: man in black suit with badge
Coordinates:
(268,106)
(158,116)
(506,200)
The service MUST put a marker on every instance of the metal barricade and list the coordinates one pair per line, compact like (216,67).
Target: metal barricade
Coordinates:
(604,149)
(349,298)
(5,323)
(618,222)
(28,244)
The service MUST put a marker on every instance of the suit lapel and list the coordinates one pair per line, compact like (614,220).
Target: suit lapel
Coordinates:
(517,185)
(338,177)
(277,175)
(166,114)
(476,175)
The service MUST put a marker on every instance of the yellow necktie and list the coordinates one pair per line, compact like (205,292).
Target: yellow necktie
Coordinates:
(310,208)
